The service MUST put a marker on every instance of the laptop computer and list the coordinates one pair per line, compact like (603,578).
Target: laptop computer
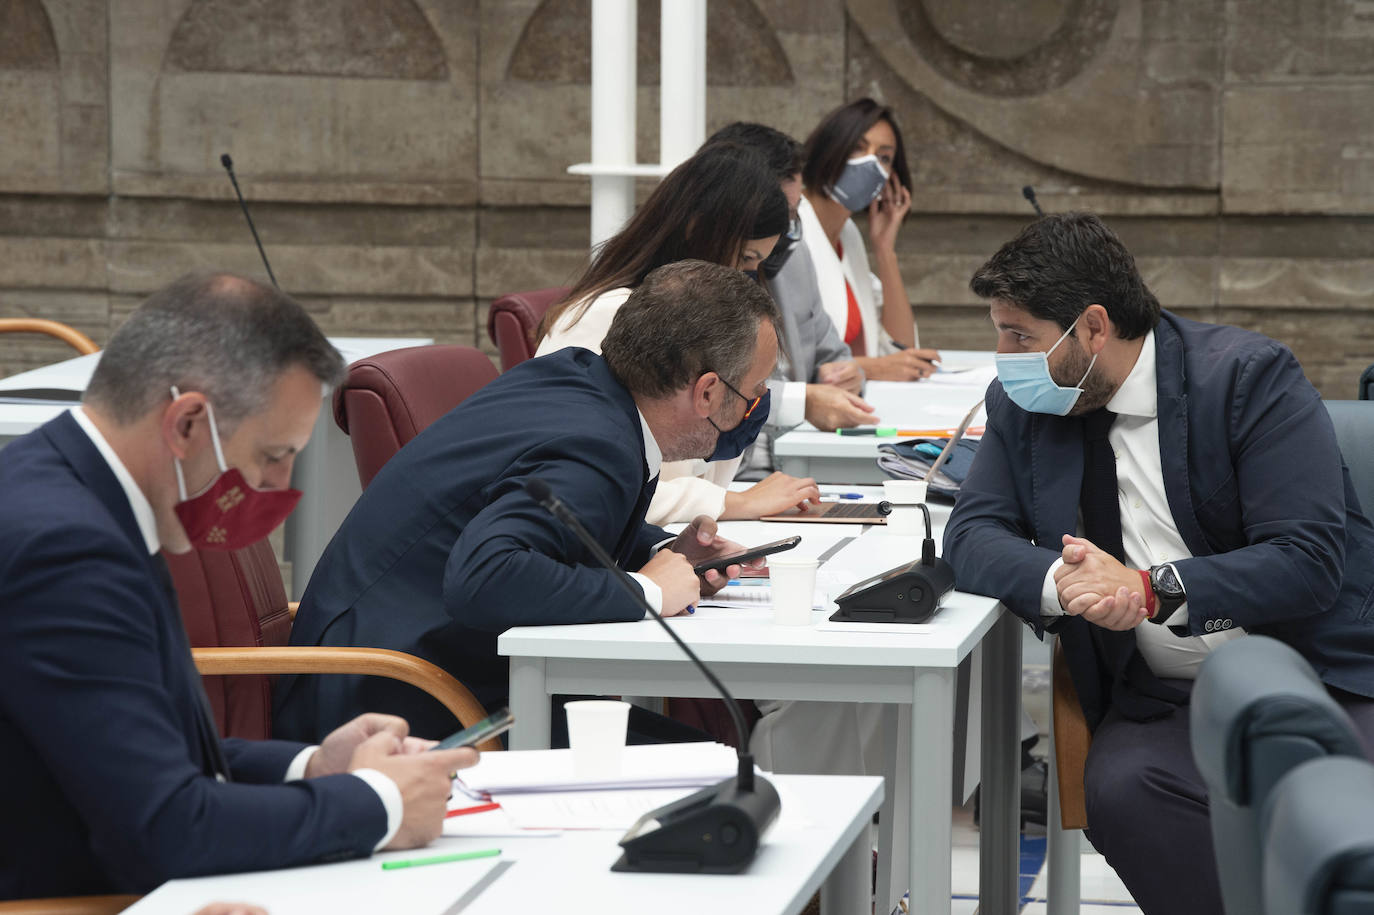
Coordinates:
(836,513)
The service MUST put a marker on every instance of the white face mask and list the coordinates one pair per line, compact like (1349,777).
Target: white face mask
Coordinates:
(859,184)
(1027,380)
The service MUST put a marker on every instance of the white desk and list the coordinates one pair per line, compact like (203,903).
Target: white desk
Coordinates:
(759,660)
(942,400)
(325,471)
(827,850)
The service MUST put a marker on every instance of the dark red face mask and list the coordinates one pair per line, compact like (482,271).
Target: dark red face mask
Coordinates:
(229,514)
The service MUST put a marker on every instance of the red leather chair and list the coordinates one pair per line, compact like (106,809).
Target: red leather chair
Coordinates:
(237,616)
(390,398)
(513,322)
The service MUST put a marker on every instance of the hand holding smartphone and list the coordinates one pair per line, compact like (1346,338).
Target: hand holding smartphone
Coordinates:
(720,563)
(491,726)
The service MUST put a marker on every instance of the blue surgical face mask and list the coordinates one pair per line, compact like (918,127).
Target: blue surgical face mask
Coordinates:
(731,443)
(1026,379)
(860,183)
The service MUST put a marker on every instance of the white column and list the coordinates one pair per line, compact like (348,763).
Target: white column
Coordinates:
(682,86)
(614,33)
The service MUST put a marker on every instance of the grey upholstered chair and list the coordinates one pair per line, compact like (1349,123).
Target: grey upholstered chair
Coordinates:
(1318,826)
(1258,710)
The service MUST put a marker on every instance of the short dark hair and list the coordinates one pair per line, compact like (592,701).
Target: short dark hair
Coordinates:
(686,319)
(782,153)
(228,337)
(1064,262)
(830,144)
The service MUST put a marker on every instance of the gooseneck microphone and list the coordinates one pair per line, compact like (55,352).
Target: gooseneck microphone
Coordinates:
(1029,193)
(717,829)
(228,164)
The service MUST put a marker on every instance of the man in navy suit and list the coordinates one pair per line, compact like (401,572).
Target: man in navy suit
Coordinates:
(445,550)
(1147,488)
(116,779)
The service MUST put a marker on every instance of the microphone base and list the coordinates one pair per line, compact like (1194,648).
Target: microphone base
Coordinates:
(717,830)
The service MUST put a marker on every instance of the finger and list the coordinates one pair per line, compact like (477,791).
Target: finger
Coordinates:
(452,760)
(383,743)
(705,527)
(416,745)
(1073,552)
(376,723)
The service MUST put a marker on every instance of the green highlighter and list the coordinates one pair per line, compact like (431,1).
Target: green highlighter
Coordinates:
(441,859)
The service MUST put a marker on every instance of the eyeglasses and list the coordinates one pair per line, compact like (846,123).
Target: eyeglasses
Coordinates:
(753,402)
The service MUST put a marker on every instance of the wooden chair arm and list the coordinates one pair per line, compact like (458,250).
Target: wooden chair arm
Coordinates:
(69,905)
(372,662)
(64,332)
(291,609)
(1071,742)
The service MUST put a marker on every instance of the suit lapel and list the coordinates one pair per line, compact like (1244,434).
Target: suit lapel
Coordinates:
(1056,458)
(1172,417)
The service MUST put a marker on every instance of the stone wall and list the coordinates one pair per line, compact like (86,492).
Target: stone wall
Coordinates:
(405,158)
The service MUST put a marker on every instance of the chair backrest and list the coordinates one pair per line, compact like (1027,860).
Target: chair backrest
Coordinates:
(64,332)
(1354,423)
(231,599)
(1318,828)
(1257,711)
(1366,391)
(513,322)
(390,398)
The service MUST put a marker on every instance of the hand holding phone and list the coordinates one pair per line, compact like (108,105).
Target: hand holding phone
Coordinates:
(493,725)
(720,563)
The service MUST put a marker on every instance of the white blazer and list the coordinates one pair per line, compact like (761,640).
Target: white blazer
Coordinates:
(685,488)
(831,273)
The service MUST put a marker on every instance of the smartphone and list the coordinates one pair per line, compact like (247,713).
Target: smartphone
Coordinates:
(491,726)
(720,562)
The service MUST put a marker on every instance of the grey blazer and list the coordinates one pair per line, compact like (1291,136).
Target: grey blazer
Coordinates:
(809,336)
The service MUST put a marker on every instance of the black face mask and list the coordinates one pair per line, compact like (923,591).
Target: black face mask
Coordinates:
(772,264)
(752,274)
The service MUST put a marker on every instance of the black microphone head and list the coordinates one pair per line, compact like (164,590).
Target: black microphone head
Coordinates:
(539,490)
(226,161)
(1027,191)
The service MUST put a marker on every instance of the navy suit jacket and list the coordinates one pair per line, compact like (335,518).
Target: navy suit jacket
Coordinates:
(445,550)
(1256,486)
(105,757)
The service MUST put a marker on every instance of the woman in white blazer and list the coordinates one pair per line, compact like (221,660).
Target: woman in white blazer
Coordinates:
(724,206)
(855,161)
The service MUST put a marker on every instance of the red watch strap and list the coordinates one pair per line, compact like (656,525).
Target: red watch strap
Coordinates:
(1149,593)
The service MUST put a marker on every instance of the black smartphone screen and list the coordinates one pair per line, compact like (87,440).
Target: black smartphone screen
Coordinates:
(768,549)
(491,726)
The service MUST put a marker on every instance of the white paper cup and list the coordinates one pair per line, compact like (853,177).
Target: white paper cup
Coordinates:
(794,589)
(904,492)
(596,733)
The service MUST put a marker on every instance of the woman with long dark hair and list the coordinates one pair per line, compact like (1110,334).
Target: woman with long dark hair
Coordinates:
(724,206)
(856,161)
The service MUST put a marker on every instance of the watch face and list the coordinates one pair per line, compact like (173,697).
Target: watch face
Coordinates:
(1166,581)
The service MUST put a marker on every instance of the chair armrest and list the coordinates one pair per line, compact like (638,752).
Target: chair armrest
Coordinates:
(292,607)
(1072,738)
(69,905)
(64,332)
(371,662)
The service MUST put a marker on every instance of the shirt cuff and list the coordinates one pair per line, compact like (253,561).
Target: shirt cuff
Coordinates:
(1049,593)
(792,408)
(390,796)
(296,771)
(652,593)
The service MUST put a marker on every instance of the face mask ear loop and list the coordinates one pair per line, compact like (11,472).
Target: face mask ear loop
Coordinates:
(1088,372)
(214,438)
(176,461)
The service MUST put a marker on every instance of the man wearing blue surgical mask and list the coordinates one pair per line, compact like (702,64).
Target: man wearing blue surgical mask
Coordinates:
(1134,494)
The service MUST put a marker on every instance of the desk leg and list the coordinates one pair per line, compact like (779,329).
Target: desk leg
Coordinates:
(529,702)
(894,822)
(932,781)
(999,835)
(846,890)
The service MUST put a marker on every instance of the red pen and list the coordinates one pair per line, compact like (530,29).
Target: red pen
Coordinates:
(480,808)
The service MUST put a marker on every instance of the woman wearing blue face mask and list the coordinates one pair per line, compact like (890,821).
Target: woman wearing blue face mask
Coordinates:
(724,206)
(856,162)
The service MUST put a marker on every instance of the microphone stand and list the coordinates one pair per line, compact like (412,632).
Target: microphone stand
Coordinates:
(717,829)
(228,164)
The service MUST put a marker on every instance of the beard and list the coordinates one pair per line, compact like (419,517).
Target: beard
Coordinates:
(1097,390)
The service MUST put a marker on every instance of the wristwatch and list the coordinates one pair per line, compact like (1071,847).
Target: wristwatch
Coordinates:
(1168,588)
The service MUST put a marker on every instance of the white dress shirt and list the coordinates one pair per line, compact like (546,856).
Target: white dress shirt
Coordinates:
(387,791)
(1148,532)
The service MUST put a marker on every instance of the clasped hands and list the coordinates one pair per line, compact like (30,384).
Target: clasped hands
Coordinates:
(671,568)
(1093,584)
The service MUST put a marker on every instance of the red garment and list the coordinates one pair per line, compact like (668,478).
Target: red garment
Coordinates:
(854,321)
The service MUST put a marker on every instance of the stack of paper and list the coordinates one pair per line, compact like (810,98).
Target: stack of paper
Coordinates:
(671,765)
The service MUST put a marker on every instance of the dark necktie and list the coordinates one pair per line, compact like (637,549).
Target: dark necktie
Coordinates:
(630,536)
(207,735)
(1135,691)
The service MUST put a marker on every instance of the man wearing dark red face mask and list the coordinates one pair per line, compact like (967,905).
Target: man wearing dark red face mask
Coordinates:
(116,778)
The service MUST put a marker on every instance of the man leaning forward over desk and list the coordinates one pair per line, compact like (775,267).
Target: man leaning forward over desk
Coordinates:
(116,779)
(1149,487)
